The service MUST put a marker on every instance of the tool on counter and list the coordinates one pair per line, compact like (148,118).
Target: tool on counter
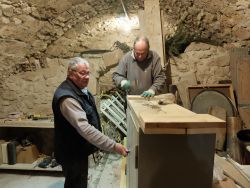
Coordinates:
(168,98)
(45,162)
(39,117)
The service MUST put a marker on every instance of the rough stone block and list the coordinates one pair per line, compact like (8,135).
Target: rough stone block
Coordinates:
(111,58)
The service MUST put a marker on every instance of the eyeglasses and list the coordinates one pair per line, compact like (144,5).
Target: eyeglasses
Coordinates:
(83,74)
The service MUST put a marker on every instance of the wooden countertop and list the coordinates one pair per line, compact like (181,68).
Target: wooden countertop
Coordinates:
(171,118)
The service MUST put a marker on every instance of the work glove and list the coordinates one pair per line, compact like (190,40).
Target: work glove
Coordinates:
(149,93)
(125,85)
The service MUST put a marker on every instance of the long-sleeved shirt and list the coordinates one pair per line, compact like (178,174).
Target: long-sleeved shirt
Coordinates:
(142,75)
(76,116)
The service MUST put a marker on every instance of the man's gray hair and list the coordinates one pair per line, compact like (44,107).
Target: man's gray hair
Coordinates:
(75,61)
(142,38)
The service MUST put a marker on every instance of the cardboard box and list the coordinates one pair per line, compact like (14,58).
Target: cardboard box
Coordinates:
(27,154)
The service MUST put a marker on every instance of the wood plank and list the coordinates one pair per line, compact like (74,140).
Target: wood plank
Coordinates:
(219,132)
(221,113)
(232,172)
(28,123)
(152,107)
(123,168)
(233,148)
(216,131)
(226,89)
(168,118)
(186,80)
(243,77)
(164,131)
(245,116)
(226,183)
(156,97)
(236,55)
(179,121)
(150,25)
(188,131)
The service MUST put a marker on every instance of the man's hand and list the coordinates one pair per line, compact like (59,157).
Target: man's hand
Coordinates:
(120,149)
(149,93)
(125,85)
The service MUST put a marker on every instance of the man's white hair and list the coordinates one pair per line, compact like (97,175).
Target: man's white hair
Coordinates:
(75,61)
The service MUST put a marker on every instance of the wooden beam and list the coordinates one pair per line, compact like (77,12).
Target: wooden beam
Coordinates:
(150,26)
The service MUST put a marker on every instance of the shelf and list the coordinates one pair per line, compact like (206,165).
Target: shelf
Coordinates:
(27,123)
(33,166)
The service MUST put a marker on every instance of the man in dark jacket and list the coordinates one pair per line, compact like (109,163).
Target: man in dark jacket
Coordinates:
(77,125)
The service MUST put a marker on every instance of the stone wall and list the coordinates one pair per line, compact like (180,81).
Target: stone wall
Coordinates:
(215,27)
(224,22)
(209,63)
(37,37)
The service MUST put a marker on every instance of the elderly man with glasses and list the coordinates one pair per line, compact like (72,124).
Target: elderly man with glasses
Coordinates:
(77,125)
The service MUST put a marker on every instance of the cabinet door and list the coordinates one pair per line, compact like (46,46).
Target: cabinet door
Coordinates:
(175,161)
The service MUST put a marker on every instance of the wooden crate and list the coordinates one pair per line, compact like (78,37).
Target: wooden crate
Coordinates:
(226,89)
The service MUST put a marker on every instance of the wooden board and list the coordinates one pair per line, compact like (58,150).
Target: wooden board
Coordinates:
(186,80)
(217,131)
(27,123)
(245,116)
(232,172)
(235,55)
(150,25)
(172,118)
(239,67)
(123,168)
(226,183)
(243,77)
(180,121)
(220,136)
(33,166)
(232,146)
(226,89)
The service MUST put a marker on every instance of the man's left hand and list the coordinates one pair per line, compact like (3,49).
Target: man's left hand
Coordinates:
(149,93)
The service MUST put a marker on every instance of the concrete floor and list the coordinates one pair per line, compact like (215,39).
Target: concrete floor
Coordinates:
(106,174)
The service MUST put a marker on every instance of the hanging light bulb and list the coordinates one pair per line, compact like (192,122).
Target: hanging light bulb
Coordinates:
(125,24)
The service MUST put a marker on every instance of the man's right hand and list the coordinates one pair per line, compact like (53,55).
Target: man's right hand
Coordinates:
(125,85)
(120,149)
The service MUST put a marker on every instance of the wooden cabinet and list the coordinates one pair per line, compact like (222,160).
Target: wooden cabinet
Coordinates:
(42,132)
(169,145)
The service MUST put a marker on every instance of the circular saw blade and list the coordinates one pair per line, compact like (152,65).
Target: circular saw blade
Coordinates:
(208,98)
